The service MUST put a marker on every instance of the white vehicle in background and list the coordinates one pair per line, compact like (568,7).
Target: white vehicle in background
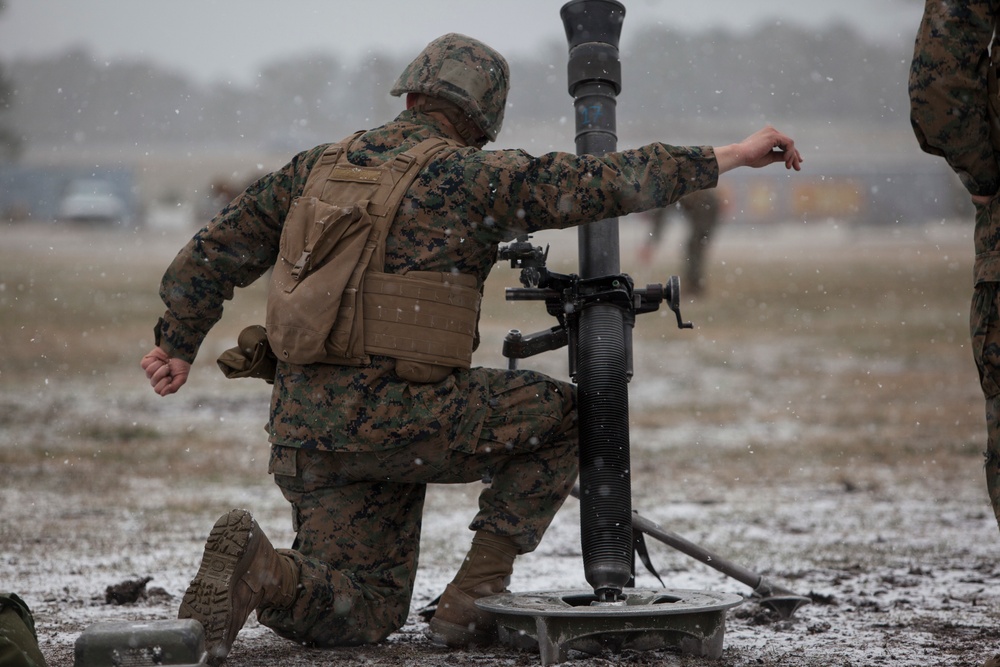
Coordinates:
(92,200)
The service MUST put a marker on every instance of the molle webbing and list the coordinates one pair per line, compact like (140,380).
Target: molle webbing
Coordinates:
(421,316)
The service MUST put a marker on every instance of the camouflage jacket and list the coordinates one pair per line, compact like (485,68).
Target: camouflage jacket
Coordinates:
(451,219)
(949,105)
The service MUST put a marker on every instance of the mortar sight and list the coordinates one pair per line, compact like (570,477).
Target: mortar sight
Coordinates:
(522,254)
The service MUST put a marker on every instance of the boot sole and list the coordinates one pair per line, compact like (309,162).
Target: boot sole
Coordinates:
(453,635)
(208,599)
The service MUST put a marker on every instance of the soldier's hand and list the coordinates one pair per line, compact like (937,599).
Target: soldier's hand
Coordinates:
(166,374)
(760,149)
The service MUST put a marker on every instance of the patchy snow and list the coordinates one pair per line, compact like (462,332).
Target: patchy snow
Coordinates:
(850,476)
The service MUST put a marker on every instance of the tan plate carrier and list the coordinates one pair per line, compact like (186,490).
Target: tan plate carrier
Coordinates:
(330,300)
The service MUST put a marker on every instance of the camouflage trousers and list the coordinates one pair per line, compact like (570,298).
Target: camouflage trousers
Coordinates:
(985,329)
(357,516)
(984,325)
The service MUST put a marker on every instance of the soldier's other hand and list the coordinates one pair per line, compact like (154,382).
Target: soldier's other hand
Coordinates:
(760,149)
(166,374)
(982,200)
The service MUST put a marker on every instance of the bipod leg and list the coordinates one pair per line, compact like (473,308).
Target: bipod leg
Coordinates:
(783,601)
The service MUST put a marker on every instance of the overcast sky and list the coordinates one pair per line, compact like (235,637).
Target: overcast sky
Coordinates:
(230,39)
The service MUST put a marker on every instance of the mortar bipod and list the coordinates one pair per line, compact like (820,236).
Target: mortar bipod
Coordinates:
(781,600)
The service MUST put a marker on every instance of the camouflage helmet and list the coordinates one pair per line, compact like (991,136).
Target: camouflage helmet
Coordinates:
(465,72)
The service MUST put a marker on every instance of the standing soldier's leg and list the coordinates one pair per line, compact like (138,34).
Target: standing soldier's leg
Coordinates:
(657,221)
(701,236)
(702,210)
(356,548)
(984,324)
(985,328)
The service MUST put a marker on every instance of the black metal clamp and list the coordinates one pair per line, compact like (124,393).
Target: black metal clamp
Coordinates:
(567,295)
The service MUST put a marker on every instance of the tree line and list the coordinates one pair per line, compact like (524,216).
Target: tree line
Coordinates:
(75,99)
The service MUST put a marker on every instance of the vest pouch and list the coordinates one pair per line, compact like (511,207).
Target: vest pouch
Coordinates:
(345,342)
(251,358)
(318,260)
(422,372)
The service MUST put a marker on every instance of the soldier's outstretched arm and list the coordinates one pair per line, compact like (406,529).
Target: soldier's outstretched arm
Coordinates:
(166,374)
(760,149)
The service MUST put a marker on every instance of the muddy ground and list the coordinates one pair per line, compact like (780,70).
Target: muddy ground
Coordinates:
(821,425)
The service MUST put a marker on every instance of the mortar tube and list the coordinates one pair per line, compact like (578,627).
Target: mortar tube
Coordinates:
(594,76)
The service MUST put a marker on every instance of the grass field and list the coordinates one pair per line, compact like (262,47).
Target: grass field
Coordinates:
(822,424)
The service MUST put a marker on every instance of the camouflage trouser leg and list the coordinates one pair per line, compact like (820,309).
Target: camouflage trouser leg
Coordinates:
(529,449)
(356,547)
(358,515)
(985,329)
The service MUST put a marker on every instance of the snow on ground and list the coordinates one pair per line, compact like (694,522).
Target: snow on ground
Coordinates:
(830,442)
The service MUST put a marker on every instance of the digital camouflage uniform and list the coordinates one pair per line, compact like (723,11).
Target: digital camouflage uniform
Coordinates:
(953,102)
(354,447)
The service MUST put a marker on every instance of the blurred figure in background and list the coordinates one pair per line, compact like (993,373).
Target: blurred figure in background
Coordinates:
(703,210)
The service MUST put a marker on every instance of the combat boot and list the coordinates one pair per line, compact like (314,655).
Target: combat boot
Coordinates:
(240,571)
(458,622)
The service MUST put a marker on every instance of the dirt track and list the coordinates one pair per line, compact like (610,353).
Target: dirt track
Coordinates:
(822,425)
